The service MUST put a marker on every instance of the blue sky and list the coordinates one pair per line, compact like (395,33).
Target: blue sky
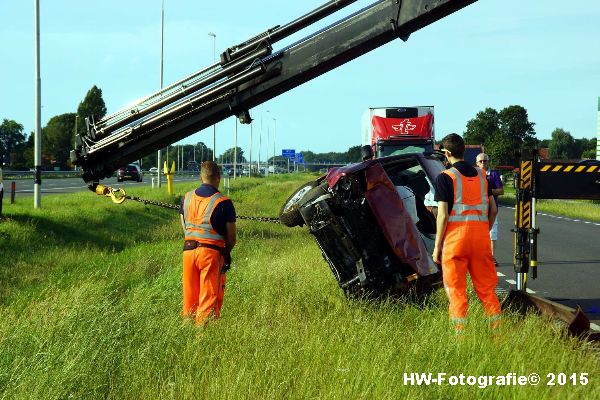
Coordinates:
(541,54)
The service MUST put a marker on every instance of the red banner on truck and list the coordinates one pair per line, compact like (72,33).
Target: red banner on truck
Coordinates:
(389,128)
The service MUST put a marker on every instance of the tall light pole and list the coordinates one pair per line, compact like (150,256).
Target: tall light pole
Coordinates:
(267,151)
(259,144)
(250,154)
(274,130)
(162,45)
(214,36)
(37,138)
(235,150)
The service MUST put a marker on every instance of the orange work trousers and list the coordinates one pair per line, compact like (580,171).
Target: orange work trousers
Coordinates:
(203,283)
(467,248)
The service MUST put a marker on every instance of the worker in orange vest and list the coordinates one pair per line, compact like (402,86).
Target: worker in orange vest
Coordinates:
(466,213)
(208,221)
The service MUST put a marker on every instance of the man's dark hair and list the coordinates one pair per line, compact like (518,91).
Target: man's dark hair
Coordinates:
(454,144)
(209,171)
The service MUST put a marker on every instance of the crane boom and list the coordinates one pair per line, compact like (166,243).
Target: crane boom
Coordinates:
(247,75)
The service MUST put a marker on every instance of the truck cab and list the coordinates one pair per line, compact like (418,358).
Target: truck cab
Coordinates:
(398,130)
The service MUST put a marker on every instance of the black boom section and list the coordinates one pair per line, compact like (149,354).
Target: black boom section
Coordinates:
(247,75)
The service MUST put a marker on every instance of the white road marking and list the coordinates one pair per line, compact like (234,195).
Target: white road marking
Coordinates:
(529,291)
(511,281)
(565,218)
(500,273)
(595,327)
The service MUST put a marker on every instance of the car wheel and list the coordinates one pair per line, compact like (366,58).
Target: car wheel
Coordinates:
(290,212)
(289,215)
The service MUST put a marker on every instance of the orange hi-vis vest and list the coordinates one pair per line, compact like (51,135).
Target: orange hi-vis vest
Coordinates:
(471,202)
(197,211)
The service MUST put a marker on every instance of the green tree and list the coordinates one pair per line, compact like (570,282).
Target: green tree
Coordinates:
(586,148)
(203,152)
(485,125)
(589,152)
(502,133)
(11,139)
(544,143)
(514,122)
(562,145)
(57,139)
(229,154)
(353,154)
(91,107)
(309,156)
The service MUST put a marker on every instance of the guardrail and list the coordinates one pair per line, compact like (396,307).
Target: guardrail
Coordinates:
(29,174)
(16,175)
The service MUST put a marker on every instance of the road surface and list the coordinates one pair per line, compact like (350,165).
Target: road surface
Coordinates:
(568,260)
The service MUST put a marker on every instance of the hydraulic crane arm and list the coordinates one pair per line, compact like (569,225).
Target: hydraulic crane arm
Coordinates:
(247,75)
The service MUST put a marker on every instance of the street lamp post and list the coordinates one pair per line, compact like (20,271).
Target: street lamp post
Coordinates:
(274,130)
(259,145)
(162,45)
(250,154)
(214,36)
(235,151)
(37,136)
(267,152)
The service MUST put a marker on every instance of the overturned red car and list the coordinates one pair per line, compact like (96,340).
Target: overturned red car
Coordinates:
(373,223)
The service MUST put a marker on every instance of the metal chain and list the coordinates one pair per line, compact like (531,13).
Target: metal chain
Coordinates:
(175,207)
(153,202)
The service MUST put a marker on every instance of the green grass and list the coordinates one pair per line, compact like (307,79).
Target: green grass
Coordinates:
(588,210)
(90,298)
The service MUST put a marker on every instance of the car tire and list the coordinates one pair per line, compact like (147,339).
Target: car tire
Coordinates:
(289,215)
(290,212)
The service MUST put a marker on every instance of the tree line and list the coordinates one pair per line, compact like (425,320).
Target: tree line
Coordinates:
(503,133)
(506,132)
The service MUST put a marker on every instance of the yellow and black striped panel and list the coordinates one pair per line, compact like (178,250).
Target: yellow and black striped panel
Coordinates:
(568,167)
(525,214)
(526,174)
(567,180)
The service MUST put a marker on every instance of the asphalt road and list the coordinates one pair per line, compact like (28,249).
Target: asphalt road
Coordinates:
(24,187)
(568,261)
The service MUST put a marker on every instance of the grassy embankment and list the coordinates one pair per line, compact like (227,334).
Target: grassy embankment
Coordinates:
(90,300)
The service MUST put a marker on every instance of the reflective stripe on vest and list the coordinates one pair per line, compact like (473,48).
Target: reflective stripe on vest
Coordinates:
(203,231)
(459,207)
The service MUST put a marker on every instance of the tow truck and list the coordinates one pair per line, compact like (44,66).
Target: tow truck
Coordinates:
(252,72)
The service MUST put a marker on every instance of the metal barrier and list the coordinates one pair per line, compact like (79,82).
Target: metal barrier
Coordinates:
(30,174)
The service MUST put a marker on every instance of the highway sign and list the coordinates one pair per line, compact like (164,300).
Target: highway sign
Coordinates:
(288,153)
(299,158)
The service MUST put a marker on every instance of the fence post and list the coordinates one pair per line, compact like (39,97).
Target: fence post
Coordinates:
(13,188)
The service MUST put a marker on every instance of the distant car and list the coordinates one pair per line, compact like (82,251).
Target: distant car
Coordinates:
(132,172)
(153,170)
(371,224)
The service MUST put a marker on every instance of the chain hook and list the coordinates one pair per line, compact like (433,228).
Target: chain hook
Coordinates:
(117,195)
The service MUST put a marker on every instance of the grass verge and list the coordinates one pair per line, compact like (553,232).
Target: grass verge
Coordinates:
(90,303)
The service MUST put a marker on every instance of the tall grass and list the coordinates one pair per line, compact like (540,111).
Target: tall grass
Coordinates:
(90,299)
